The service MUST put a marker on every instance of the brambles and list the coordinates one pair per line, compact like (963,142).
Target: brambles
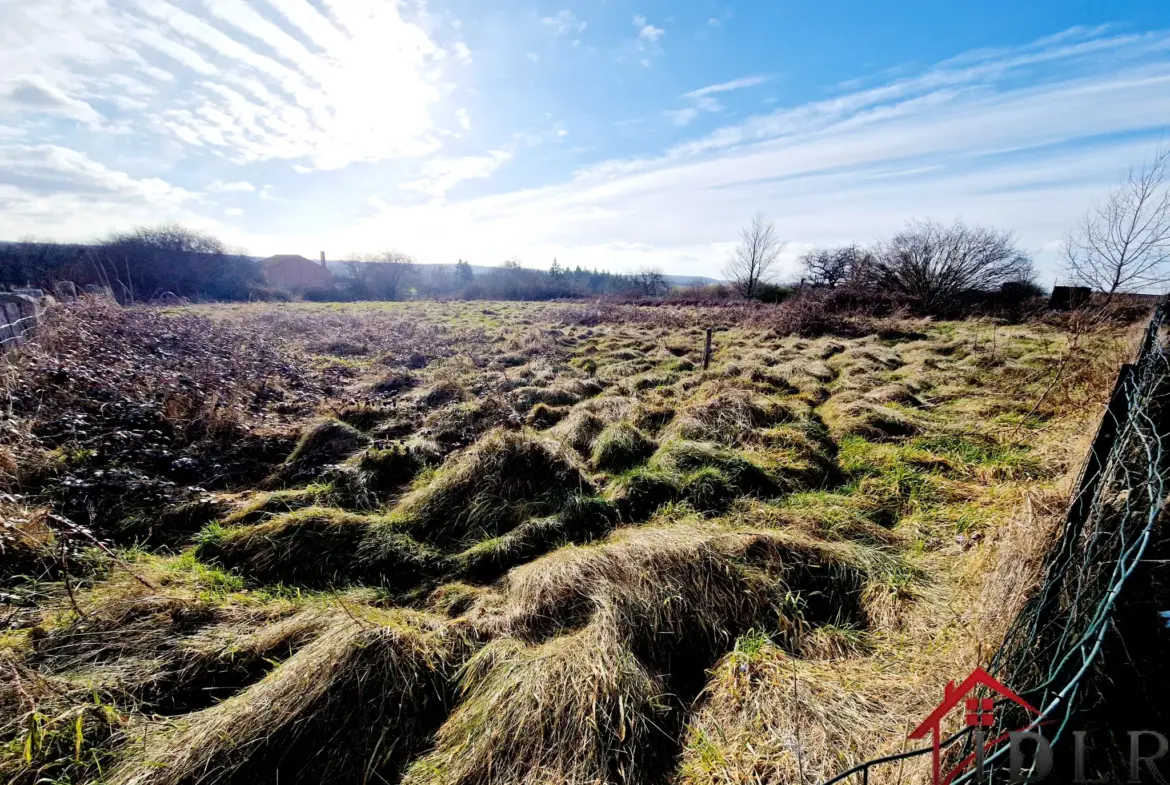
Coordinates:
(508,543)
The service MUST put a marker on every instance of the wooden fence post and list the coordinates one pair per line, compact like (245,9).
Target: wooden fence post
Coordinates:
(707,350)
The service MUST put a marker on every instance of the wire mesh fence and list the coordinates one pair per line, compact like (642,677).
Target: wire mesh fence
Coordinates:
(14,334)
(1055,646)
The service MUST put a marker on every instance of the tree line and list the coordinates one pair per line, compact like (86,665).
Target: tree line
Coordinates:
(141,264)
(148,262)
(392,275)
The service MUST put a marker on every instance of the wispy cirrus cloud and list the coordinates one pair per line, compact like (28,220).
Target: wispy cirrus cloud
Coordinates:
(703,99)
(966,139)
(440,175)
(726,87)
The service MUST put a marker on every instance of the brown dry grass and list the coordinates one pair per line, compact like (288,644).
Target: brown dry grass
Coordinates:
(761,572)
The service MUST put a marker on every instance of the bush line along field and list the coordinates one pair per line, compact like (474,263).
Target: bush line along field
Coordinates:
(453,544)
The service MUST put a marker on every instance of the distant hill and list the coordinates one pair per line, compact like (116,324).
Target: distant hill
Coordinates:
(341,267)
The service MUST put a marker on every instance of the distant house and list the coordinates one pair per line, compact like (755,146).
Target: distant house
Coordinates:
(296,273)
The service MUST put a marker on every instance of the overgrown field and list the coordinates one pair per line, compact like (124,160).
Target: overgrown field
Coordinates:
(463,544)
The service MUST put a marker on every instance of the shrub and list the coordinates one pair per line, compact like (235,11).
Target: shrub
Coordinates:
(269,294)
(327,296)
(772,293)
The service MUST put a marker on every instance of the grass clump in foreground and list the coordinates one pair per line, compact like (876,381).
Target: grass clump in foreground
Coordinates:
(578,708)
(608,644)
(350,707)
(505,478)
(619,447)
(760,699)
(319,546)
(323,443)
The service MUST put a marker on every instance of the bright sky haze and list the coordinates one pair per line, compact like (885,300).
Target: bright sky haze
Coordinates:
(610,134)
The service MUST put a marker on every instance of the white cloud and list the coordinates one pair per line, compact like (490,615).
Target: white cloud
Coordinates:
(440,175)
(724,87)
(328,88)
(176,51)
(221,187)
(49,189)
(704,102)
(233,211)
(639,21)
(35,95)
(533,56)
(651,33)
(463,118)
(564,21)
(462,52)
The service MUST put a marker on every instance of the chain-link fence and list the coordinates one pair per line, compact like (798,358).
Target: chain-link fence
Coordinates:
(1052,654)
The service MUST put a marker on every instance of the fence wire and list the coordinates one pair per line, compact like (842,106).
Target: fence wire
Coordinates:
(20,330)
(1054,647)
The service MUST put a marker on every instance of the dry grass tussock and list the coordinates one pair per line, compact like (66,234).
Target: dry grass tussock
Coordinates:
(369,691)
(493,486)
(516,543)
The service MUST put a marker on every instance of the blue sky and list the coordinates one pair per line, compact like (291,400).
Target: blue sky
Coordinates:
(612,134)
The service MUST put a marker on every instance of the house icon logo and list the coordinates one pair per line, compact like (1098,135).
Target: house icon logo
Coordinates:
(979,713)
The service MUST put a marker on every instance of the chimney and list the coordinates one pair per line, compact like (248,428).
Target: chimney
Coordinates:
(323,261)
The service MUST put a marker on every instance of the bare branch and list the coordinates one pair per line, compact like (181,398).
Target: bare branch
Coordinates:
(831,267)
(1123,245)
(935,264)
(651,282)
(755,256)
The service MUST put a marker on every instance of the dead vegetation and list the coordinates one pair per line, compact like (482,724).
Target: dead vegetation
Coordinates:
(512,544)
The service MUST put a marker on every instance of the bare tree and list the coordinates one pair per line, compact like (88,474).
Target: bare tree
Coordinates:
(1124,244)
(651,282)
(935,264)
(382,275)
(831,267)
(752,260)
(170,257)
